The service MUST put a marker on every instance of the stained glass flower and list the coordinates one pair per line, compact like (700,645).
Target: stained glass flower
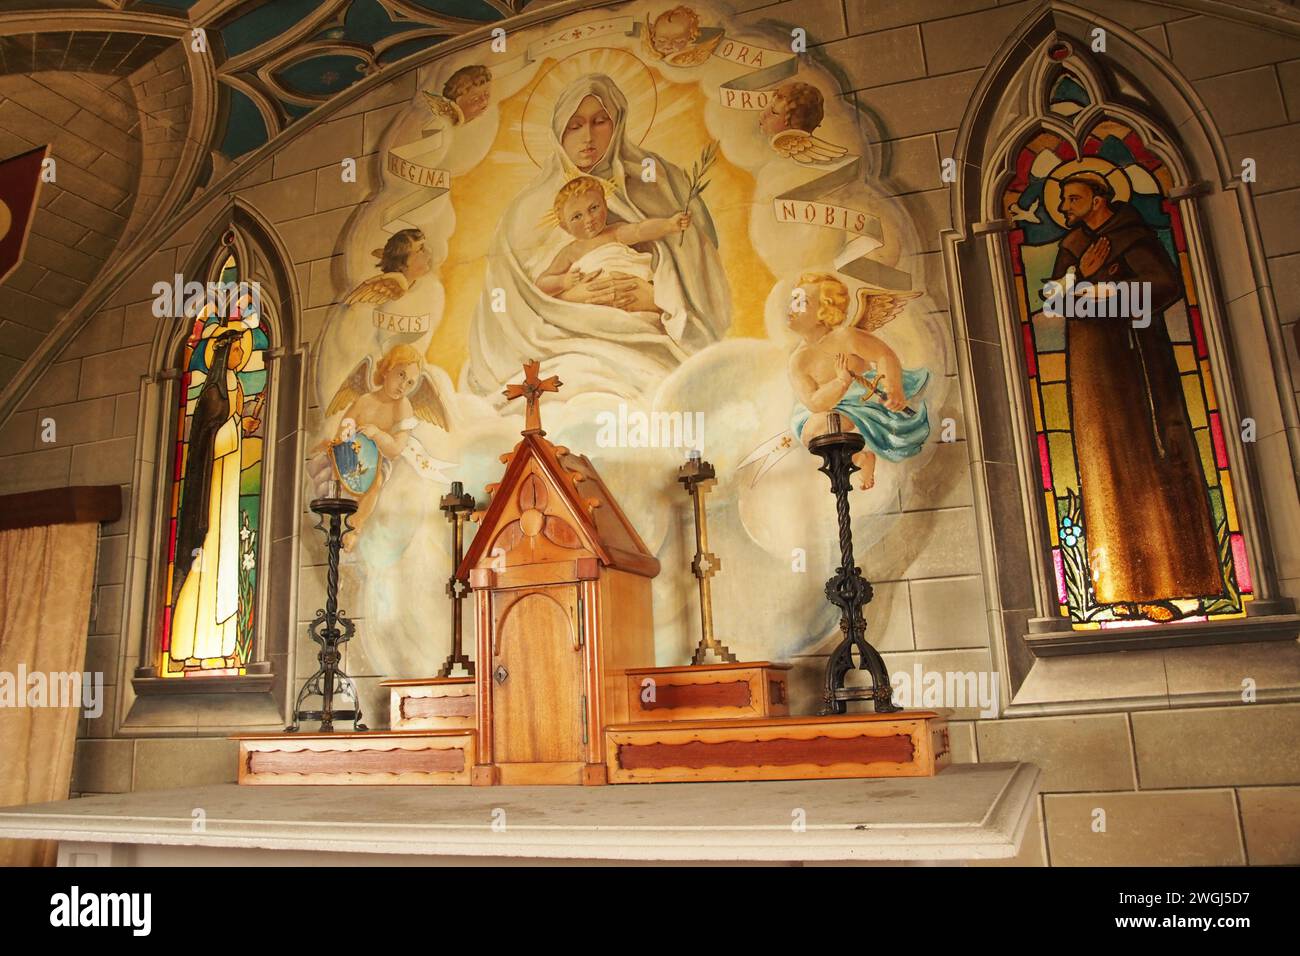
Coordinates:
(1071,532)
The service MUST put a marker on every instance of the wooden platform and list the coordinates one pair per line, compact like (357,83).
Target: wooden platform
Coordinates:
(431,703)
(371,758)
(745,689)
(906,744)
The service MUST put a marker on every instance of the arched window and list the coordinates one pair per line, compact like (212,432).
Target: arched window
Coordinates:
(214,530)
(1120,499)
(1131,445)
(212,591)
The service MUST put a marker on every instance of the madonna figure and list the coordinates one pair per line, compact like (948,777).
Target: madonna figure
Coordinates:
(614,323)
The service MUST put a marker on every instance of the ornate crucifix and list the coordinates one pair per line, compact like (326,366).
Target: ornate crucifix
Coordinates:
(531,390)
(698,476)
(456,505)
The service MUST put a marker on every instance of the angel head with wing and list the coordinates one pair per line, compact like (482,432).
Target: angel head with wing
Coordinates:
(795,110)
(677,37)
(385,401)
(403,260)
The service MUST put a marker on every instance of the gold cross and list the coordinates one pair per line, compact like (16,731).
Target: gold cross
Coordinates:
(532,389)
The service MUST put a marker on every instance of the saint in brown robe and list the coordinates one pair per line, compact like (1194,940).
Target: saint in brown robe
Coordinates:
(1146,512)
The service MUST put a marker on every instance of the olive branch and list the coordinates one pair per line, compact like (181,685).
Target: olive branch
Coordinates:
(697,182)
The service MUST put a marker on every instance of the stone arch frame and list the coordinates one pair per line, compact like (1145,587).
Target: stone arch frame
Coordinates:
(1047,666)
(260,698)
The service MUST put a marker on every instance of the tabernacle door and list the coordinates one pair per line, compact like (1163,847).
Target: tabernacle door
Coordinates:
(537,685)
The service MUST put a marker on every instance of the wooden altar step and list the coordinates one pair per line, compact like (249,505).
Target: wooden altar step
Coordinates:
(688,692)
(745,689)
(431,703)
(359,758)
(905,744)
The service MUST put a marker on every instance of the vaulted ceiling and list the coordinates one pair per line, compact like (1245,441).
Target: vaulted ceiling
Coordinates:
(140,111)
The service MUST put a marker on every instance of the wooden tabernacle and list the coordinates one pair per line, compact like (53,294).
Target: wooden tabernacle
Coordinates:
(561,584)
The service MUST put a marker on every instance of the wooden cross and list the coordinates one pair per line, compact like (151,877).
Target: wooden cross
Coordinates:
(532,389)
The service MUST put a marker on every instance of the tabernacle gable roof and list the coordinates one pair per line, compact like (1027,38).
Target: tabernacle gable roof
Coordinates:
(601,523)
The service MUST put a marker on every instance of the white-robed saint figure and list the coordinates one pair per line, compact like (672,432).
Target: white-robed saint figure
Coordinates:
(628,317)
(205,615)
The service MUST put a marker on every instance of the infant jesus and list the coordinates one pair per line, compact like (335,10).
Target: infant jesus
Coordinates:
(599,245)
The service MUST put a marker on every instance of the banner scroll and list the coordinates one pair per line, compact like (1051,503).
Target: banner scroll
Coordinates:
(807,204)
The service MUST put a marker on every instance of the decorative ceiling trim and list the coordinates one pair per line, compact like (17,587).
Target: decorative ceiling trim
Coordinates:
(206,12)
(405,10)
(291,73)
(321,19)
(198,142)
(291,57)
(114,21)
(274,117)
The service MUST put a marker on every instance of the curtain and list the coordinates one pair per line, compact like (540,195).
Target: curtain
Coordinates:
(46,574)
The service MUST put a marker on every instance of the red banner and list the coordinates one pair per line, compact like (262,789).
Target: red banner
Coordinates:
(20,182)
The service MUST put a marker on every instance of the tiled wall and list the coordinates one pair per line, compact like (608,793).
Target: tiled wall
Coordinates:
(1218,785)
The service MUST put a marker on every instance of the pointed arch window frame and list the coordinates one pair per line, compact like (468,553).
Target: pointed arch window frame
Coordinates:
(1027,631)
(1075,130)
(258,698)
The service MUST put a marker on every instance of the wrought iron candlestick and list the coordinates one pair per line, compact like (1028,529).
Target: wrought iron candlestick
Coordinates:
(698,477)
(331,629)
(457,505)
(847,589)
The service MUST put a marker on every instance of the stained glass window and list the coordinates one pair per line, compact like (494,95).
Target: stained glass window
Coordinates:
(1068,95)
(209,606)
(1149,391)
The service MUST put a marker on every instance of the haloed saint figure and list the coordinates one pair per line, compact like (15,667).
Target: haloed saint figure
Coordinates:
(208,619)
(1145,508)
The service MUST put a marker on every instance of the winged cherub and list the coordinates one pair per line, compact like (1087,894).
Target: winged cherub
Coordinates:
(385,402)
(465,96)
(841,366)
(402,262)
(794,112)
(676,37)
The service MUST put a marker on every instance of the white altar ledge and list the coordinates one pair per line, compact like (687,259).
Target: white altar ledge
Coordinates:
(966,812)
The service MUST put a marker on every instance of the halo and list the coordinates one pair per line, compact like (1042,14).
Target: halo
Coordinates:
(550,221)
(245,343)
(632,76)
(1113,174)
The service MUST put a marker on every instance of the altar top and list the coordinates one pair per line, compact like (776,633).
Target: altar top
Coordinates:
(966,812)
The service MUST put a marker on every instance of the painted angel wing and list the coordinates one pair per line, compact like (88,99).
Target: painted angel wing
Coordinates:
(695,55)
(357,383)
(443,108)
(878,307)
(805,148)
(384,287)
(427,399)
